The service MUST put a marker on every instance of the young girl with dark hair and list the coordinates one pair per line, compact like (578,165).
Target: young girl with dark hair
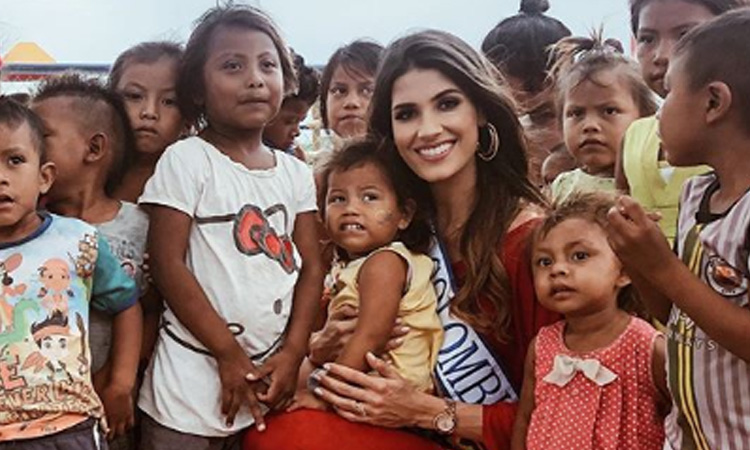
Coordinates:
(233,244)
(598,376)
(346,87)
(145,77)
(600,93)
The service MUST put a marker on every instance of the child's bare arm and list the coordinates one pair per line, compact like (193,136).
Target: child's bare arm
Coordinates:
(117,397)
(526,403)
(381,285)
(152,309)
(168,235)
(283,367)
(659,373)
(643,249)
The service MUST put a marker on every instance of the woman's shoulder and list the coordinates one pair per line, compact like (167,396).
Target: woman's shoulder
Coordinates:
(529,217)
(521,229)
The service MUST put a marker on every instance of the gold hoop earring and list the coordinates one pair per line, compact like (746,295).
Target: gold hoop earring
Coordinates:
(494,144)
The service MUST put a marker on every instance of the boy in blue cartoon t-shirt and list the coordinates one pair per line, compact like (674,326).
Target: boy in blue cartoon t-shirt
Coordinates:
(51,268)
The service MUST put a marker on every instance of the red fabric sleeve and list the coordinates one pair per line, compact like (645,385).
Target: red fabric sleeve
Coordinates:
(497,425)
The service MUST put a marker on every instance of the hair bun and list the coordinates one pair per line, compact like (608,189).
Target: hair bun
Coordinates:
(534,6)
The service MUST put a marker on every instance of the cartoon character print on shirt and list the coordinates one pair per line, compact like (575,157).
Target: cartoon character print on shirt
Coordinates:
(85,260)
(55,292)
(52,337)
(255,234)
(9,290)
(46,336)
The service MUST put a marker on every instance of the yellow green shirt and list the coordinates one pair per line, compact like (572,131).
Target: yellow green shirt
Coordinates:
(654,184)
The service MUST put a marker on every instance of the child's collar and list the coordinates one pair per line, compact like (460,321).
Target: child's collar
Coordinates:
(46,222)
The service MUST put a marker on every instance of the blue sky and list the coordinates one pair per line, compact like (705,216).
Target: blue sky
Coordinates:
(95,31)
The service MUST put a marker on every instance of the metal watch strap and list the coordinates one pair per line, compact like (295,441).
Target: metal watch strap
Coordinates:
(449,413)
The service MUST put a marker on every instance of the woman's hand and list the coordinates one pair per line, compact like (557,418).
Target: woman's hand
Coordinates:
(326,344)
(387,400)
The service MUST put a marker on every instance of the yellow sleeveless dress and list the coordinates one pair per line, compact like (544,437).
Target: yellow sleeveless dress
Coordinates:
(416,357)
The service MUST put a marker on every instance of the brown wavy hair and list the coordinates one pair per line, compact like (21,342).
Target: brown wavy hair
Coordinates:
(502,183)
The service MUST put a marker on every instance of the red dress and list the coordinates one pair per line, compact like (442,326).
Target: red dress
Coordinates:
(621,414)
(315,430)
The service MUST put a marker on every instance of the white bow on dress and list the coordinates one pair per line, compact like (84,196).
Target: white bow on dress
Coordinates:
(565,367)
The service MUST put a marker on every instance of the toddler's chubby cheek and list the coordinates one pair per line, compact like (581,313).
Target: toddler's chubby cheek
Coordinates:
(384,216)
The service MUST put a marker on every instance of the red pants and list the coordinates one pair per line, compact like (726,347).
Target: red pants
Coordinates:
(318,430)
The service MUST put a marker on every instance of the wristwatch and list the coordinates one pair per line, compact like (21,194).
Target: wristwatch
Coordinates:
(445,422)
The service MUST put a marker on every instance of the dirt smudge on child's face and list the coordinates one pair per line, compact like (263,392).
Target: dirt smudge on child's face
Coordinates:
(384,216)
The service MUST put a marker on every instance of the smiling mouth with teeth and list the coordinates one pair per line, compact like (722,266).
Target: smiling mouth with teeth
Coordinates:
(352,227)
(436,151)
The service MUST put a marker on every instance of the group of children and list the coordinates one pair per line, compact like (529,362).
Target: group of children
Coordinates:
(232,231)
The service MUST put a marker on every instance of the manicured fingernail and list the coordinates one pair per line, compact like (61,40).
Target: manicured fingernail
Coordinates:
(370,355)
(405,329)
(327,366)
(399,321)
(261,427)
(251,376)
(318,391)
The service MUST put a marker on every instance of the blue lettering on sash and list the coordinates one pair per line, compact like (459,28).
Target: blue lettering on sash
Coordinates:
(466,373)
(466,368)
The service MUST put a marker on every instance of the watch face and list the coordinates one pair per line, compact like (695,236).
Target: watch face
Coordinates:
(445,423)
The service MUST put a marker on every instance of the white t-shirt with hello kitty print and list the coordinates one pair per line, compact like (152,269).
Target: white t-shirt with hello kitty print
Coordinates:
(240,251)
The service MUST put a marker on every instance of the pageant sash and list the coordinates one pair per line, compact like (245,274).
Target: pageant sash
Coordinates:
(466,370)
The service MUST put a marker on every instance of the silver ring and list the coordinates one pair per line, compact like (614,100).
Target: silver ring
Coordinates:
(360,407)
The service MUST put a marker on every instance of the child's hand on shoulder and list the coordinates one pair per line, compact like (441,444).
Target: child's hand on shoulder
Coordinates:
(636,237)
(118,408)
(282,369)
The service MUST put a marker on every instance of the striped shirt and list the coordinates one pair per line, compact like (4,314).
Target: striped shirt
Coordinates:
(710,386)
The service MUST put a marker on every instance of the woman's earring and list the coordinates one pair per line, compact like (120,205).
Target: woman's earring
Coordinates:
(494,145)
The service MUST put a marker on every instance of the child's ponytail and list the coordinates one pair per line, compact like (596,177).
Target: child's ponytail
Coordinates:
(579,59)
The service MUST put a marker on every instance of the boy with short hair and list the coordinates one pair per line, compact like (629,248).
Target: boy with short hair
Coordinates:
(704,302)
(53,269)
(90,141)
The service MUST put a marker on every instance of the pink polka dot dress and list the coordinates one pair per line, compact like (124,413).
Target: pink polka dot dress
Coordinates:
(599,400)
